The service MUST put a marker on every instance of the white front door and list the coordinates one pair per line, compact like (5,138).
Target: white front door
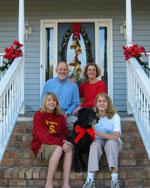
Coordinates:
(95,42)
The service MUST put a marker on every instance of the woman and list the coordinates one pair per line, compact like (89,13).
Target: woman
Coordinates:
(91,87)
(49,139)
(107,131)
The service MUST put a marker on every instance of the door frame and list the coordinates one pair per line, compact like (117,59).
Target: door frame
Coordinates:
(98,22)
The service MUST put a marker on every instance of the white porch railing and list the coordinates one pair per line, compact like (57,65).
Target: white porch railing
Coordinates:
(10,101)
(139,99)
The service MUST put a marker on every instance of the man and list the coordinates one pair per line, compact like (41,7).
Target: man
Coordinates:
(65,90)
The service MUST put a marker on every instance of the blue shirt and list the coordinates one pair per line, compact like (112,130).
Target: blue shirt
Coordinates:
(66,91)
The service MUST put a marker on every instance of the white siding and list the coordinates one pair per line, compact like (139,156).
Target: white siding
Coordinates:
(59,9)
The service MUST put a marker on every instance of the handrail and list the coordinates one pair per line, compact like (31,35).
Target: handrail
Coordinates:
(139,99)
(11,101)
(8,75)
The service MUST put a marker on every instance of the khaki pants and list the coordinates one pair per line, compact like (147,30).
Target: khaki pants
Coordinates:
(111,148)
(45,152)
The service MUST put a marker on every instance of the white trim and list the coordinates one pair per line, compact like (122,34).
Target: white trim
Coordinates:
(42,57)
(129,42)
(74,20)
(129,22)
(44,25)
(106,23)
(54,24)
(21,21)
(56,49)
(21,15)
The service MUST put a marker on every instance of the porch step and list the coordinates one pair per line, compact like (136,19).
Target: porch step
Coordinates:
(19,167)
(35,176)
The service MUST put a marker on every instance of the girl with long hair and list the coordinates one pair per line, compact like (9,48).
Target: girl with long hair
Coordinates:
(107,132)
(49,139)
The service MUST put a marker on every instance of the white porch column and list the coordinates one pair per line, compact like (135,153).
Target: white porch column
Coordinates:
(129,43)
(129,22)
(21,22)
(21,40)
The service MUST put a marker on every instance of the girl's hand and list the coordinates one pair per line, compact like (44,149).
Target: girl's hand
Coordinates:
(67,146)
(115,136)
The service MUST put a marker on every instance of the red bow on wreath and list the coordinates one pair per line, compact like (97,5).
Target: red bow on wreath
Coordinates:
(81,131)
(76,29)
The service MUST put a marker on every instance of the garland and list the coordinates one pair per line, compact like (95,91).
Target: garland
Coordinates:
(11,53)
(133,51)
(136,51)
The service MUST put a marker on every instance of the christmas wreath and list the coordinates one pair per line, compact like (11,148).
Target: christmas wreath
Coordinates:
(77,31)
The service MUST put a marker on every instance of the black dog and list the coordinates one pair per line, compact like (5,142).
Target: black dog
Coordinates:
(82,136)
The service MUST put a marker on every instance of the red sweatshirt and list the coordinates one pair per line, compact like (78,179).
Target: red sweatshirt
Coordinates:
(48,129)
(89,92)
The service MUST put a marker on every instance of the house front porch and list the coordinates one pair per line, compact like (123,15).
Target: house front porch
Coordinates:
(38,23)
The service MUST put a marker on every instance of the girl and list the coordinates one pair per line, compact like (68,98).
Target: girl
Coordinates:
(49,139)
(91,87)
(107,131)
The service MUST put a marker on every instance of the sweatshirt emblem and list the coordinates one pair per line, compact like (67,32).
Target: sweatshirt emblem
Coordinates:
(51,126)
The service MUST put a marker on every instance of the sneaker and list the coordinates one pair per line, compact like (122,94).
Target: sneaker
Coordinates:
(115,184)
(89,185)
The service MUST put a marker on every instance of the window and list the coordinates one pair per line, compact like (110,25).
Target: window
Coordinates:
(49,53)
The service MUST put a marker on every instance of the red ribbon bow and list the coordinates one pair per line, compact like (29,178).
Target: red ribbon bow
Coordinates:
(76,29)
(81,131)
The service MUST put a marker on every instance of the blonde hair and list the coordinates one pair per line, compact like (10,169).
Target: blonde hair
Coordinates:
(98,70)
(110,108)
(57,110)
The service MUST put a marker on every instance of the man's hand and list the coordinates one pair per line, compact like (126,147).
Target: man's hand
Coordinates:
(75,112)
(66,116)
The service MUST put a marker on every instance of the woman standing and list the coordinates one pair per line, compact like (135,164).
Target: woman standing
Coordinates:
(49,139)
(107,131)
(91,87)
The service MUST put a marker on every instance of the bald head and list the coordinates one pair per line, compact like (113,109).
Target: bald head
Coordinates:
(62,70)
(62,63)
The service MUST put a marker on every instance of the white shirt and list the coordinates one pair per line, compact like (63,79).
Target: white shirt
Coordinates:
(108,126)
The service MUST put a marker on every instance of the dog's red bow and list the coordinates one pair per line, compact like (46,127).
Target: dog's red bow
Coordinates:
(81,131)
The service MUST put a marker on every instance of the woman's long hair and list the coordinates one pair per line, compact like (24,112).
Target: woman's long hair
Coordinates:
(110,108)
(57,110)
